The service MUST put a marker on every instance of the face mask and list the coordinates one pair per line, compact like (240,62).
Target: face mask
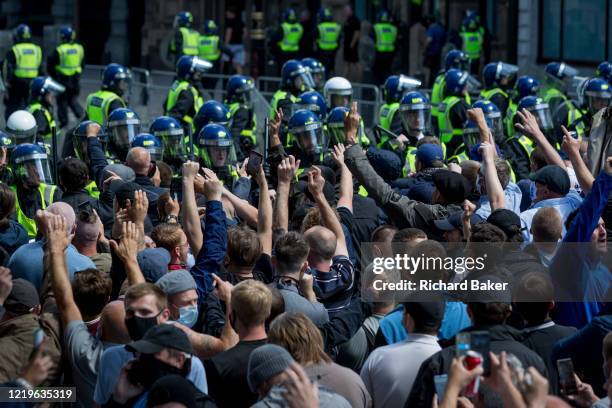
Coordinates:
(190,261)
(188,315)
(138,326)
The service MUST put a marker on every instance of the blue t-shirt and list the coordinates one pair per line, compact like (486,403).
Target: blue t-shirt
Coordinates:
(455,319)
(27,262)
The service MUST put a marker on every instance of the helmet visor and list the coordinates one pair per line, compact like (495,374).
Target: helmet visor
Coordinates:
(318,79)
(416,118)
(311,139)
(543,116)
(407,84)
(340,99)
(313,107)
(471,137)
(567,71)
(174,148)
(505,70)
(217,156)
(473,84)
(122,135)
(34,169)
(53,86)
(497,126)
(200,65)
(26,136)
(302,81)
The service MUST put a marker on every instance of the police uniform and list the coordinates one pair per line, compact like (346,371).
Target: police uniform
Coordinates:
(328,38)
(451,118)
(282,100)
(185,42)
(44,122)
(183,102)
(243,129)
(27,202)
(101,103)
(210,48)
(21,66)
(290,35)
(497,96)
(517,151)
(472,43)
(385,36)
(65,65)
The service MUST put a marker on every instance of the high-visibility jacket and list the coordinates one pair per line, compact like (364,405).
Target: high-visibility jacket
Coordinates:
(490,93)
(179,86)
(472,43)
(190,41)
(329,33)
(292,34)
(249,133)
(509,119)
(99,102)
(92,190)
(47,192)
(28,58)
(527,144)
(385,34)
(447,132)
(387,113)
(208,47)
(410,164)
(37,106)
(70,59)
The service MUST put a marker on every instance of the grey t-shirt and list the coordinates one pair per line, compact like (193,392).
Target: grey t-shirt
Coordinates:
(276,398)
(296,303)
(84,352)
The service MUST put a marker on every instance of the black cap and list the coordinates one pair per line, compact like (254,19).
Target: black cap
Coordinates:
(453,221)
(505,219)
(453,186)
(159,337)
(23,297)
(429,313)
(554,177)
(173,388)
(125,191)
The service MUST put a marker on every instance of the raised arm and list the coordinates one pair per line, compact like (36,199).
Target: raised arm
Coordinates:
(264,216)
(126,250)
(529,126)
(57,241)
(243,209)
(572,148)
(492,183)
(286,173)
(191,218)
(346,178)
(328,217)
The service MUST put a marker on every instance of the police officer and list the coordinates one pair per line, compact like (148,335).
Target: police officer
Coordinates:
(287,38)
(122,126)
(184,98)
(525,86)
(212,112)
(314,102)
(604,71)
(317,72)
(239,99)
(385,36)
(338,91)
(65,65)
(33,185)
(310,142)
(497,78)
(186,39)
(170,132)
(216,152)
(328,38)
(79,142)
(295,79)
(21,66)
(455,59)
(595,95)
(415,116)
(453,109)
(472,40)
(210,49)
(115,85)
(42,94)
(396,86)
(151,143)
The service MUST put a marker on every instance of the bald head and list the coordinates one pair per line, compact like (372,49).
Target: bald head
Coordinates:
(322,242)
(139,160)
(112,322)
(66,211)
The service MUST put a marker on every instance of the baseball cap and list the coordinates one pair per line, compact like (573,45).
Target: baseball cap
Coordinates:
(176,282)
(173,388)
(387,164)
(504,219)
(453,221)
(266,362)
(554,177)
(453,186)
(23,297)
(427,153)
(430,313)
(153,263)
(159,337)
(126,173)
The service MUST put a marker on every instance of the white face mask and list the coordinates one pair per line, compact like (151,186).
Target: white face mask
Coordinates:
(190,261)
(188,316)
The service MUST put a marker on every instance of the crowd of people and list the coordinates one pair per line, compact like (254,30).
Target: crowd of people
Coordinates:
(203,263)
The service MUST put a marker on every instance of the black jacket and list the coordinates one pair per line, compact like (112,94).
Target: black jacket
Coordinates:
(503,338)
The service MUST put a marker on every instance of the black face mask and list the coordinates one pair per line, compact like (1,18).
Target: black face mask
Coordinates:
(147,369)
(138,326)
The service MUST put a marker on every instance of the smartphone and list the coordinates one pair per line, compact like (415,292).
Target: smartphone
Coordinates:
(462,344)
(176,188)
(255,160)
(481,342)
(39,337)
(567,381)
(440,381)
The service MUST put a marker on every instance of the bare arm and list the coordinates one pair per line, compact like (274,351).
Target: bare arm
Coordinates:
(529,126)
(572,148)
(286,173)
(243,209)
(191,218)
(328,217)
(346,178)
(264,219)
(57,242)
(494,187)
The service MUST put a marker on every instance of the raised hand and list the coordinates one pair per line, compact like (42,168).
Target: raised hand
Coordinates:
(528,124)
(58,238)
(286,169)
(570,145)
(137,211)
(127,247)
(476,115)
(190,169)
(316,182)
(351,124)
(241,168)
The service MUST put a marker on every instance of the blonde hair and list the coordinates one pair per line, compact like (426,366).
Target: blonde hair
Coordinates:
(298,334)
(251,302)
